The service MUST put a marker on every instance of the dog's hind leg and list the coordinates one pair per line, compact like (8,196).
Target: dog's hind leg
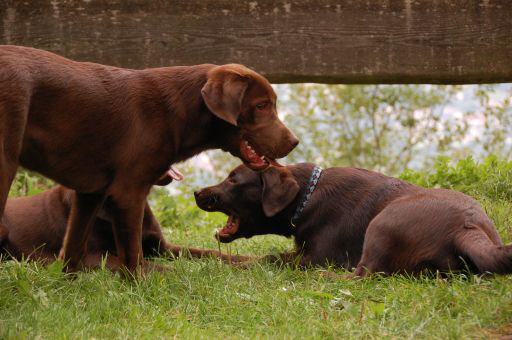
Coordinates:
(4,234)
(84,209)
(487,256)
(13,120)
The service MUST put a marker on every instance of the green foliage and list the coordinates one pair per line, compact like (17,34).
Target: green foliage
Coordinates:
(392,127)
(379,127)
(496,120)
(28,183)
(491,178)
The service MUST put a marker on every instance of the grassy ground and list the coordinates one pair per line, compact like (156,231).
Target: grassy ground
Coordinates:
(207,299)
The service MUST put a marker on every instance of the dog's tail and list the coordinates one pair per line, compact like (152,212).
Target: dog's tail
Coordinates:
(484,253)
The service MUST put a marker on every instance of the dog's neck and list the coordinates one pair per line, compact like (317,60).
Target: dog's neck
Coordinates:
(178,96)
(283,220)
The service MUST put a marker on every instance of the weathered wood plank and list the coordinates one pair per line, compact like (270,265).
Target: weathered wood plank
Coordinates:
(328,41)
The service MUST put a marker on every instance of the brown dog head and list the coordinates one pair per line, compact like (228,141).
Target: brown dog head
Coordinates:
(245,99)
(251,200)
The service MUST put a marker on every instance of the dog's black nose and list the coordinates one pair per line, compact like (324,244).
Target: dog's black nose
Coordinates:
(294,141)
(206,199)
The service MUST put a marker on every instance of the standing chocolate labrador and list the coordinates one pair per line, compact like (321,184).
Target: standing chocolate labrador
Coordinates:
(350,216)
(110,133)
(36,226)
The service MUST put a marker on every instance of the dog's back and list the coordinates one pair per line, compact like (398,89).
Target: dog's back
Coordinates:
(36,224)
(435,230)
(342,206)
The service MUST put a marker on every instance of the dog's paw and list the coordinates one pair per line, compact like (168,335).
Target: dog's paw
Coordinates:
(149,266)
(236,259)
(244,265)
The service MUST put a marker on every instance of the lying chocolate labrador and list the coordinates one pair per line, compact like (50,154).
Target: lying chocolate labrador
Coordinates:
(351,216)
(36,226)
(110,133)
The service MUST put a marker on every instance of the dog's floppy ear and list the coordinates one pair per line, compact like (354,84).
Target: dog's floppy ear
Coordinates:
(224,92)
(279,190)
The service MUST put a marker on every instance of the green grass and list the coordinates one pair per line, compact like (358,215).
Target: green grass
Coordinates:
(207,299)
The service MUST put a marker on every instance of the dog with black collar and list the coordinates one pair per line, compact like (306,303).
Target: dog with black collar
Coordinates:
(351,217)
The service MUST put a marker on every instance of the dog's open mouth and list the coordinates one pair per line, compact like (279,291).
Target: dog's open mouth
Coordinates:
(253,159)
(231,227)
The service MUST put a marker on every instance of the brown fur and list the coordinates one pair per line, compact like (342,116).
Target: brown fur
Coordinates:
(110,133)
(357,217)
(34,229)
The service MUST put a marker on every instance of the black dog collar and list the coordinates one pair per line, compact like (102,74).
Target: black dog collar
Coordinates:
(313,180)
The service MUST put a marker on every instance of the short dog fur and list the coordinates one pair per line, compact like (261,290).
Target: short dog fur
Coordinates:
(361,218)
(36,226)
(110,133)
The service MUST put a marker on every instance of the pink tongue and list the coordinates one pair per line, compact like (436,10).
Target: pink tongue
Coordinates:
(274,162)
(257,161)
(175,174)
(228,228)
(254,158)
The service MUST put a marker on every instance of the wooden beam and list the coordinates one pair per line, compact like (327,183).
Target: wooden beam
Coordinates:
(326,41)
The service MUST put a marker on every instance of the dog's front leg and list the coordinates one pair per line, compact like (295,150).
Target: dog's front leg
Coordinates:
(179,251)
(293,258)
(84,208)
(127,211)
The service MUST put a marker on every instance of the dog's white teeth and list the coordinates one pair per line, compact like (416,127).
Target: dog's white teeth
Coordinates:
(249,146)
(262,158)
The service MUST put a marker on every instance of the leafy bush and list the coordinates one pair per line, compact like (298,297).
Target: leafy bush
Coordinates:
(491,178)
(392,127)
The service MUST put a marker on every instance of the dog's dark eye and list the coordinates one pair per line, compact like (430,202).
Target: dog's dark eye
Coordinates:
(261,106)
(231,178)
